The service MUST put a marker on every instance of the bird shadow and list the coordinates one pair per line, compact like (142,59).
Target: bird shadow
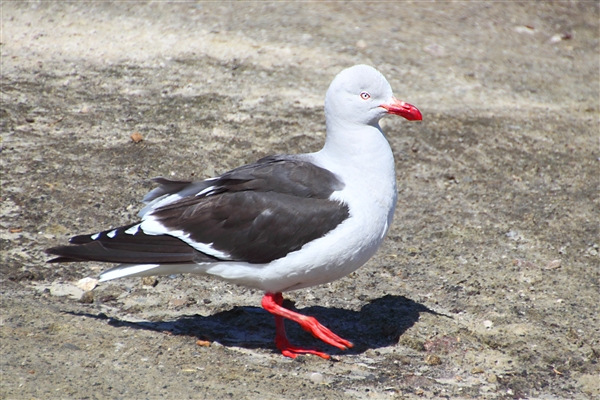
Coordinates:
(380,323)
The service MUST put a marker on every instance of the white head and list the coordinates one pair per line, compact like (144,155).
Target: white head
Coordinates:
(361,95)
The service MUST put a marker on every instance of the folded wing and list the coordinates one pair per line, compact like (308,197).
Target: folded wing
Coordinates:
(256,214)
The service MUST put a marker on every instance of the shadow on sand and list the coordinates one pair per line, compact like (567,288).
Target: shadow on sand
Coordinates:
(379,323)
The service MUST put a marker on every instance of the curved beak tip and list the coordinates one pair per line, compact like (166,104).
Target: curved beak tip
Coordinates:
(403,109)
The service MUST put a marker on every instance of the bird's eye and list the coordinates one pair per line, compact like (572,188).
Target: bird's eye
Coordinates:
(365,96)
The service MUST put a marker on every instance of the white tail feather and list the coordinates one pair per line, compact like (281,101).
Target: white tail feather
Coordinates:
(133,270)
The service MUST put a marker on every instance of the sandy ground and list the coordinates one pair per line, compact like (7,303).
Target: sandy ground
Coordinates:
(488,283)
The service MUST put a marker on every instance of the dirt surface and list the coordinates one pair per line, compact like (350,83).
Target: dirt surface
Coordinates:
(488,283)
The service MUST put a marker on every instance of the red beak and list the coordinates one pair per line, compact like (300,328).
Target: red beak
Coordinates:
(403,109)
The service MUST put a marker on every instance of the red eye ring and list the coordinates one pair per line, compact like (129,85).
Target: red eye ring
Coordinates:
(365,96)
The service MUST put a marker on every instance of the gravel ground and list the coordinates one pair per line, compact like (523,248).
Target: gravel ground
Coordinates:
(488,283)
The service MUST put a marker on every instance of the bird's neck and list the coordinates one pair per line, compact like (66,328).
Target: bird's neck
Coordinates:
(359,145)
(362,159)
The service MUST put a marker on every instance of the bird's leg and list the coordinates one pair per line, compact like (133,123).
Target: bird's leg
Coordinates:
(272,302)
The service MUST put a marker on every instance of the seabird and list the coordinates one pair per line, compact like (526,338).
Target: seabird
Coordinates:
(283,223)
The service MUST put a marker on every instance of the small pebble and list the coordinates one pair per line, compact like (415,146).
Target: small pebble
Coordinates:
(178,302)
(560,37)
(553,264)
(136,137)
(87,297)
(149,281)
(316,377)
(87,284)
(488,324)
(203,343)
(477,370)
(432,359)
(525,29)
(556,38)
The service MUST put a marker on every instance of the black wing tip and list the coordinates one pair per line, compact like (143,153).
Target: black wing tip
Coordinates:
(53,250)
(60,251)
(150,249)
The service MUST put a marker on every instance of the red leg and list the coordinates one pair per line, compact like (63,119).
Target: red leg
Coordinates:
(272,302)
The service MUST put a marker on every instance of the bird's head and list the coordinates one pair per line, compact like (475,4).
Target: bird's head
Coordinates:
(361,95)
